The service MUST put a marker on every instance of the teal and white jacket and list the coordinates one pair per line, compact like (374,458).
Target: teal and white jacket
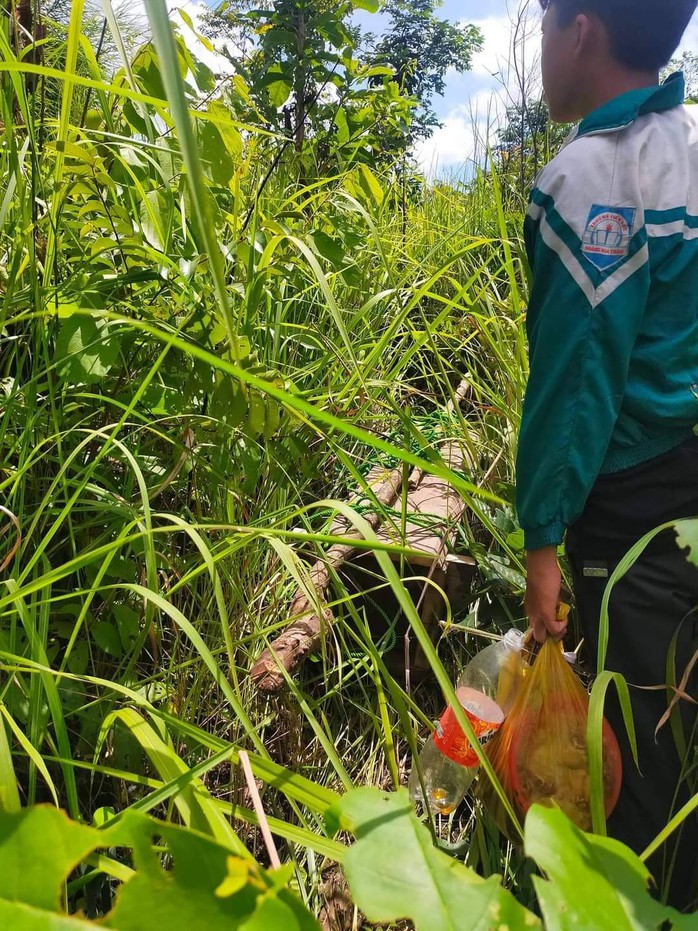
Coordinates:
(612,240)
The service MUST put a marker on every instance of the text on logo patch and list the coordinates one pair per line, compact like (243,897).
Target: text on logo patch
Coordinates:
(607,235)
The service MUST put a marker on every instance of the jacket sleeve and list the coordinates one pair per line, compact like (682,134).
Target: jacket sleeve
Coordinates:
(587,246)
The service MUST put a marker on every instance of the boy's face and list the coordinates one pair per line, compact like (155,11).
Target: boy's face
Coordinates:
(560,66)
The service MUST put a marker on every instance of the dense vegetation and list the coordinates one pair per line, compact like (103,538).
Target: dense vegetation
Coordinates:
(212,327)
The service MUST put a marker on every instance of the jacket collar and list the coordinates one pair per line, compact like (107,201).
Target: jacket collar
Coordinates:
(625,109)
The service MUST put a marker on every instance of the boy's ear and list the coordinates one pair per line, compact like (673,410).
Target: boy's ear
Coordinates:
(590,35)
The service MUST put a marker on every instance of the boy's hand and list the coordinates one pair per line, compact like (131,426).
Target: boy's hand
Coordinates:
(543,584)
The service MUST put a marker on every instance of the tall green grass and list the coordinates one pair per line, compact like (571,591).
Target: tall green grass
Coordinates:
(188,367)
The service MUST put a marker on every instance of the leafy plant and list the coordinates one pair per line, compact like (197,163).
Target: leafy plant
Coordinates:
(421,48)
(394,871)
(590,882)
(202,886)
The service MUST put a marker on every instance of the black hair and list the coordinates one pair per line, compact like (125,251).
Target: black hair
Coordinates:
(644,34)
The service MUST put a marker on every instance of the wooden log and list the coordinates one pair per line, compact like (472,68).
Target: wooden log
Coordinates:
(433,510)
(310,616)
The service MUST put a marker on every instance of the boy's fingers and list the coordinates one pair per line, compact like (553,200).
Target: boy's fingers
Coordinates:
(539,627)
(547,627)
(556,629)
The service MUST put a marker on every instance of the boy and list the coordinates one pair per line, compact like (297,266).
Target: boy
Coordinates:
(607,449)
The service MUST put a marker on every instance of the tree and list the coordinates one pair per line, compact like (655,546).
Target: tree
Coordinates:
(297,50)
(526,142)
(297,61)
(421,48)
(39,33)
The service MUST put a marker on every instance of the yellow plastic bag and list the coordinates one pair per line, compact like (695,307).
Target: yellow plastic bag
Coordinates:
(540,753)
(548,760)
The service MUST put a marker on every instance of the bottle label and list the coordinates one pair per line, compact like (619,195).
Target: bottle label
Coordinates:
(453,743)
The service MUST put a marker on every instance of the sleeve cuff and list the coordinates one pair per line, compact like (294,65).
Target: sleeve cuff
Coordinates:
(552,535)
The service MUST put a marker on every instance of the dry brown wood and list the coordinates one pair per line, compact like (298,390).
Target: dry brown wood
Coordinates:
(310,616)
(433,509)
(437,510)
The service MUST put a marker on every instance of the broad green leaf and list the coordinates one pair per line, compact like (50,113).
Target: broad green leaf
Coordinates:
(230,135)
(371,6)
(593,882)
(238,406)
(687,536)
(383,71)
(395,872)
(272,913)
(16,916)
(151,219)
(79,658)
(280,910)
(236,878)
(229,402)
(257,414)
(107,638)
(38,848)
(495,569)
(329,248)
(147,69)
(279,91)
(184,898)
(272,420)
(86,349)
(340,121)
(215,154)
(128,624)
(371,184)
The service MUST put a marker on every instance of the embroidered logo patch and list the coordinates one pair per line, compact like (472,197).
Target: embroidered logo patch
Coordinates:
(607,235)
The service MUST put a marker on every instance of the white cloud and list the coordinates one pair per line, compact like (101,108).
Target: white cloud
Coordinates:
(511,49)
(462,140)
(467,127)
(452,144)
(497,46)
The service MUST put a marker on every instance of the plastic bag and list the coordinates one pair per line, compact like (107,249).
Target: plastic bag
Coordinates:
(540,753)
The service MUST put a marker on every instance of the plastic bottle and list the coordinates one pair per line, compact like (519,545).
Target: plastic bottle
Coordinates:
(486,690)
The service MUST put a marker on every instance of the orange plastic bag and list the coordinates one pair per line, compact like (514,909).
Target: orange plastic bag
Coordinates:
(540,753)
(548,761)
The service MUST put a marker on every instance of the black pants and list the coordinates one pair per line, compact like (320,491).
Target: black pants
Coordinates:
(654,600)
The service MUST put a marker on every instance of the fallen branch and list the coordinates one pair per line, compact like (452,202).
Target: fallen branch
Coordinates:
(304,634)
(434,509)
